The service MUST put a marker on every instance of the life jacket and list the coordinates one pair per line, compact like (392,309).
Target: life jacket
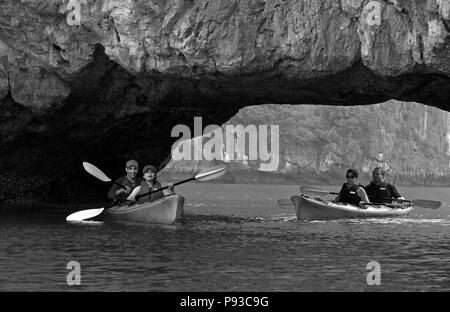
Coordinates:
(349,194)
(379,193)
(146,189)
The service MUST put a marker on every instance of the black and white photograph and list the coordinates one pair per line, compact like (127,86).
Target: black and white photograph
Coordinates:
(223,152)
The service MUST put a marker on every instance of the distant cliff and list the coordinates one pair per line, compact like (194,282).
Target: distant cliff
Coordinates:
(411,141)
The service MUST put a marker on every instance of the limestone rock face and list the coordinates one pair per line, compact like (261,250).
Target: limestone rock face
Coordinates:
(78,74)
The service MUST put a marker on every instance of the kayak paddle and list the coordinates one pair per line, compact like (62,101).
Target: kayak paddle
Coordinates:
(90,168)
(424,203)
(85,214)
(432,204)
(204,175)
(311,190)
(285,203)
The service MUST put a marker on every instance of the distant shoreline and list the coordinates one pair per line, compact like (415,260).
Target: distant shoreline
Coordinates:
(258,177)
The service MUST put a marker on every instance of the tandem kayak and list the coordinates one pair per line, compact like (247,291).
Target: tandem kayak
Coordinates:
(166,210)
(308,208)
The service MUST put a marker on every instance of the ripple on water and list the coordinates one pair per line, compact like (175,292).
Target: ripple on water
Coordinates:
(404,221)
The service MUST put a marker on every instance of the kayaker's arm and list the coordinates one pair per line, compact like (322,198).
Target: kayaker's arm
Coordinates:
(337,199)
(123,191)
(117,189)
(363,195)
(112,192)
(395,193)
(170,190)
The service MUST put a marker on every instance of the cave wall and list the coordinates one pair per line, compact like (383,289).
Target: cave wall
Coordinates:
(110,82)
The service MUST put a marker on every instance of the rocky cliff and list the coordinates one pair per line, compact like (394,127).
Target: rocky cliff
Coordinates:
(107,80)
(318,143)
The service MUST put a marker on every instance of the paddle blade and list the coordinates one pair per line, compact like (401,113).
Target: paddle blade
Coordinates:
(424,203)
(84,214)
(285,203)
(96,172)
(314,190)
(210,173)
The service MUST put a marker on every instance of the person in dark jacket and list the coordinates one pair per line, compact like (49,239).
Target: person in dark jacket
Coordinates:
(379,191)
(149,183)
(352,192)
(129,181)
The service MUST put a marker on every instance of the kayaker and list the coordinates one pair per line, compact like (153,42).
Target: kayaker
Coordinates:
(129,181)
(379,191)
(149,183)
(352,192)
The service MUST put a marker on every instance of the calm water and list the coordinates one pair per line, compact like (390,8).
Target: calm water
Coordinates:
(233,238)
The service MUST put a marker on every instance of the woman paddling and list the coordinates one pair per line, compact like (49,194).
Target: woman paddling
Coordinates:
(352,192)
(149,184)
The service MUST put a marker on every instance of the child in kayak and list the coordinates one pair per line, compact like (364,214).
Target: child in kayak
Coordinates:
(352,192)
(149,184)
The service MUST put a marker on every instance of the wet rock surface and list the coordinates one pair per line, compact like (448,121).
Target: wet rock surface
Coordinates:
(110,82)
